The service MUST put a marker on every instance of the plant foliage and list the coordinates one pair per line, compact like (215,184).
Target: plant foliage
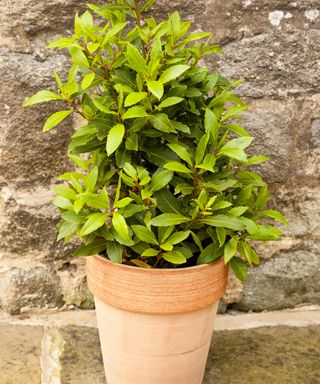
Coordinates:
(166,182)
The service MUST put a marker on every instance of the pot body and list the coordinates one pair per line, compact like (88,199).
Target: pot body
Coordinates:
(155,326)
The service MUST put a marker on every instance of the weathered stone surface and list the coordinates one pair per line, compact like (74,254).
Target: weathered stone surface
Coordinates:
(288,280)
(270,123)
(234,19)
(280,355)
(273,45)
(81,361)
(306,154)
(25,156)
(22,21)
(301,207)
(28,226)
(74,285)
(266,355)
(26,289)
(20,354)
(274,64)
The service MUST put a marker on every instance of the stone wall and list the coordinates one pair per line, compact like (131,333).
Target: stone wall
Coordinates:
(273,45)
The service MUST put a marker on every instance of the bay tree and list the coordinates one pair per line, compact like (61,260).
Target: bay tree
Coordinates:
(163,175)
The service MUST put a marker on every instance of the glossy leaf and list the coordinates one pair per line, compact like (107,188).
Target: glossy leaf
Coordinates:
(115,138)
(55,119)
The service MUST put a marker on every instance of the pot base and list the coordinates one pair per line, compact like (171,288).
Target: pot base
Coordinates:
(140,348)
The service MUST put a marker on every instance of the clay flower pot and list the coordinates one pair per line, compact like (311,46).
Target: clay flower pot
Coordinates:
(155,325)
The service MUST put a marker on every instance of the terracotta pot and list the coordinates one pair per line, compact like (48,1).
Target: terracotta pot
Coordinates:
(155,325)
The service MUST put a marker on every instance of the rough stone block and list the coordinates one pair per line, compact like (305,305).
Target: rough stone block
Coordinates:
(20,354)
(288,280)
(306,155)
(270,123)
(234,19)
(23,290)
(274,64)
(74,284)
(26,157)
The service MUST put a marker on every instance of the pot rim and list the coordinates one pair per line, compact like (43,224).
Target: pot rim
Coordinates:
(161,291)
(158,270)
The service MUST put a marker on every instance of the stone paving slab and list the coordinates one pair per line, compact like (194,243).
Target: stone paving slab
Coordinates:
(267,355)
(280,355)
(81,360)
(20,354)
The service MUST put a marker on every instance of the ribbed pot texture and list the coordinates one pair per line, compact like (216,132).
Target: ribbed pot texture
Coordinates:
(155,325)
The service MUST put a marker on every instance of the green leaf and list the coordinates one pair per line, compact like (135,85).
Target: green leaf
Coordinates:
(113,31)
(135,112)
(150,252)
(174,257)
(211,124)
(94,222)
(114,251)
(221,205)
(61,43)
(161,122)
(239,143)
(168,219)
(66,192)
(115,138)
(93,248)
(210,254)
(221,235)
(178,237)
(120,225)
(201,148)
(145,234)
(78,56)
(237,211)
(66,230)
(173,72)
(72,217)
(262,197)
(265,233)
(221,99)
(182,152)
(123,202)
(134,98)
(95,201)
(135,60)
(166,202)
(169,101)
(132,143)
(55,119)
(177,167)
(234,153)
(87,80)
(42,97)
(230,249)
(257,160)
(156,88)
(63,203)
(275,215)
(160,180)
(91,179)
(224,222)
(239,268)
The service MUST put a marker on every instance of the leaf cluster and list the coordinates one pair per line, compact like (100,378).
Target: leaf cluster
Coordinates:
(166,182)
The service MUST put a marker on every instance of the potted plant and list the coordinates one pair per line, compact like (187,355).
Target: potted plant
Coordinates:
(163,201)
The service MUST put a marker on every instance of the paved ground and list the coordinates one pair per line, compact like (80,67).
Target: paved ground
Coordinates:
(70,354)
